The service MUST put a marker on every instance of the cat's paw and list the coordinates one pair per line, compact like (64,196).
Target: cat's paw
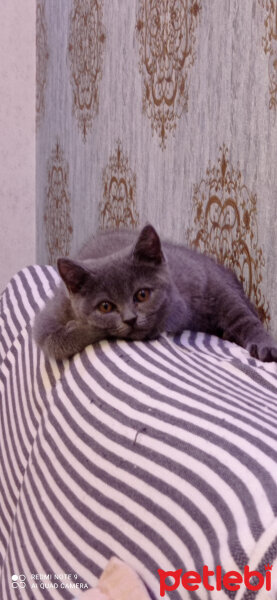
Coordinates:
(264,352)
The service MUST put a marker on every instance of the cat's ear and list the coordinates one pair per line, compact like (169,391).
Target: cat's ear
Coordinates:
(73,275)
(148,246)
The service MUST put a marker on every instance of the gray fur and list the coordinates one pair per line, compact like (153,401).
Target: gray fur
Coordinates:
(187,291)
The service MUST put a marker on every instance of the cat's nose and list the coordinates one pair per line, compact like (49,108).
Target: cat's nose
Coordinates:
(130,321)
(128,315)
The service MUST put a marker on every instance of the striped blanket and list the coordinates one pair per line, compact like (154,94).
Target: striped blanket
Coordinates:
(161,453)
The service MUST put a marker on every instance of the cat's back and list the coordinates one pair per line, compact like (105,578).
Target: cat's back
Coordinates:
(105,243)
(184,263)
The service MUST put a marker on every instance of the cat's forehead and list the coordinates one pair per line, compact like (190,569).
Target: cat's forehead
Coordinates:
(119,274)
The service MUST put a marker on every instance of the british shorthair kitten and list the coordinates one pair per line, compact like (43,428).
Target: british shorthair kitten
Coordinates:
(127,285)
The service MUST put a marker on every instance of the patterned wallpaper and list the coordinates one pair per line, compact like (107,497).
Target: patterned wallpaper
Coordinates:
(166,32)
(161,111)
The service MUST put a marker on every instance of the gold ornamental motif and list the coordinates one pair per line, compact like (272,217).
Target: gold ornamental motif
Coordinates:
(269,42)
(166,33)
(85,50)
(58,224)
(42,56)
(118,206)
(224,225)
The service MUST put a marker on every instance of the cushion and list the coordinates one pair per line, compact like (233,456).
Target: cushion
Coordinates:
(161,453)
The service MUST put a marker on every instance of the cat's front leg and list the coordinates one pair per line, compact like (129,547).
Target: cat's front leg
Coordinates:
(68,340)
(241,324)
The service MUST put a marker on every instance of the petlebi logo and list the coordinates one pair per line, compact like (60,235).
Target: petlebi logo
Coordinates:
(18,581)
(232,580)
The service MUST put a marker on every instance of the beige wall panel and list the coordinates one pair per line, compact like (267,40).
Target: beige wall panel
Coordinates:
(17,136)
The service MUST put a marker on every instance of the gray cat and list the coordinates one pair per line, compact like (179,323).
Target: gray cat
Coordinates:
(126,285)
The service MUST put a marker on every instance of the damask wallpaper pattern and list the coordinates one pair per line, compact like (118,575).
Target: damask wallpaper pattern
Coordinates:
(269,41)
(86,40)
(166,32)
(224,225)
(57,219)
(42,55)
(162,112)
(118,204)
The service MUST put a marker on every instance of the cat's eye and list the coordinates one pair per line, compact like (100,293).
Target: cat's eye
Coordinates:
(105,307)
(142,295)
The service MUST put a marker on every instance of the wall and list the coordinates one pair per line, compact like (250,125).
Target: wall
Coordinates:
(161,111)
(17,136)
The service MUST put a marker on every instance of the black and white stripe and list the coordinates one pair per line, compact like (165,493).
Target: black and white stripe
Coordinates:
(163,453)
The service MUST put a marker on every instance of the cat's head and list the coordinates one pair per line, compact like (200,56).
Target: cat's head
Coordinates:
(124,295)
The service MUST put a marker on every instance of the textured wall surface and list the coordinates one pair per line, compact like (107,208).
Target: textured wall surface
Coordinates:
(161,111)
(17,136)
